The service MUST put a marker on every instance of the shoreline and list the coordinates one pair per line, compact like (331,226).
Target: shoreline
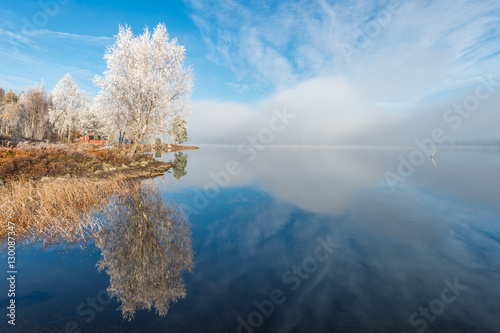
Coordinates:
(35,161)
(142,170)
(46,188)
(164,148)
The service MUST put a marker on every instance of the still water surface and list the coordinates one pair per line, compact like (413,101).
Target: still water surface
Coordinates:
(295,240)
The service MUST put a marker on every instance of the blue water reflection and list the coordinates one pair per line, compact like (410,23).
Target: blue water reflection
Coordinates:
(307,240)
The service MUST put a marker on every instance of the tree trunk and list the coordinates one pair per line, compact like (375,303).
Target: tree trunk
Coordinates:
(121,135)
(134,147)
(32,127)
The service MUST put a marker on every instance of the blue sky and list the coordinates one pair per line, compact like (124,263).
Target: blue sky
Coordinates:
(71,36)
(364,62)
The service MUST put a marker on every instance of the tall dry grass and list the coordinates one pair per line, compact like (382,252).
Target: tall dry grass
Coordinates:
(55,209)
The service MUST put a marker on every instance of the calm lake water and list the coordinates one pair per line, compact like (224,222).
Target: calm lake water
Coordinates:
(287,240)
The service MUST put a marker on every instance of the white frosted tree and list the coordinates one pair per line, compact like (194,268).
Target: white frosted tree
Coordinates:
(146,82)
(32,116)
(96,118)
(69,105)
(178,130)
(112,114)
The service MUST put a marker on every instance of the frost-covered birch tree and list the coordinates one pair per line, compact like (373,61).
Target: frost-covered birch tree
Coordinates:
(9,109)
(113,116)
(96,118)
(69,105)
(146,81)
(32,118)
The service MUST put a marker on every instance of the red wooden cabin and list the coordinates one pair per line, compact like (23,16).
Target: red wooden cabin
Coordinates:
(95,139)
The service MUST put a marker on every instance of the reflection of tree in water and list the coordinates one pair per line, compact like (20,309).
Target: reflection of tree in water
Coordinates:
(145,249)
(180,165)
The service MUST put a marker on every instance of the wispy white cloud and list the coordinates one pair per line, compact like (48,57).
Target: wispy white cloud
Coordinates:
(18,31)
(241,88)
(420,49)
(15,83)
(79,72)
(16,39)
(45,53)
(358,72)
(81,38)
(7,52)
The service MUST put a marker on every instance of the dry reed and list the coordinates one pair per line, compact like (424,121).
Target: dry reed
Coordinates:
(55,209)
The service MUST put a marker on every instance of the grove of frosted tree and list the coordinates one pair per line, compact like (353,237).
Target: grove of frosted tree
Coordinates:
(144,95)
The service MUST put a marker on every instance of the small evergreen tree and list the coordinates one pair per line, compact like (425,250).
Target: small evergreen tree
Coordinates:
(178,130)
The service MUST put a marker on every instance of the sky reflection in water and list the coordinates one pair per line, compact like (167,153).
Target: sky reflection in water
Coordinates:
(394,251)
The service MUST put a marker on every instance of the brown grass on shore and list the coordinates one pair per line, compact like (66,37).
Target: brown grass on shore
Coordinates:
(37,160)
(55,209)
(34,161)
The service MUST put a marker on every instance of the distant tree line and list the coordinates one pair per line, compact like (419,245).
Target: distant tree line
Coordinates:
(492,142)
(144,94)
(26,114)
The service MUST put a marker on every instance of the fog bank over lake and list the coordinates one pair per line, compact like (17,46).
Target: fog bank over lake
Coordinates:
(332,111)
